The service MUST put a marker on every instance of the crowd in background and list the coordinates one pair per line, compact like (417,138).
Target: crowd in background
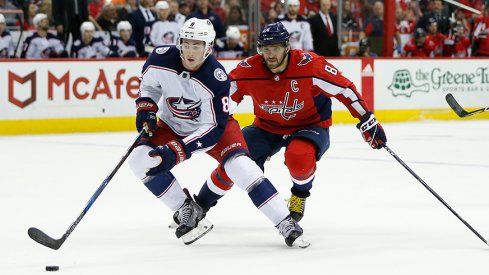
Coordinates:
(131,28)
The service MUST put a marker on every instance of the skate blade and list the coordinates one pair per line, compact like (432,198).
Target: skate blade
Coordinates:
(203,228)
(173,225)
(300,243)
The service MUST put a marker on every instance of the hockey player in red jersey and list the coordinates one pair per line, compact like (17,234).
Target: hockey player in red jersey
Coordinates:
(434,35)
(188,90)
(291,92)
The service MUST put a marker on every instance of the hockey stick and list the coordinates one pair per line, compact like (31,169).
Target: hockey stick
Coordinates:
(459,110)
(42,238)
(434,193)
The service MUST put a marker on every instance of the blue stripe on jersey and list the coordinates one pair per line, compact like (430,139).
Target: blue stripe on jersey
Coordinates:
(323,106)
(262,193)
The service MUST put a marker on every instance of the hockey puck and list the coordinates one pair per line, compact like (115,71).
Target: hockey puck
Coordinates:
(52,268)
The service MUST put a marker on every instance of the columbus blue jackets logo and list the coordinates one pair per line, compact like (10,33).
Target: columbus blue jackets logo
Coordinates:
(162,50)
(184,108)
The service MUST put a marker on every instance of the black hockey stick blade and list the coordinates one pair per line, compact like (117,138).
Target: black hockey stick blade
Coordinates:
(455,106)
(42,238)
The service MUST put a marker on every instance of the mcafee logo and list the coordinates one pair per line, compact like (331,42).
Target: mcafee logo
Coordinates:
(12,78)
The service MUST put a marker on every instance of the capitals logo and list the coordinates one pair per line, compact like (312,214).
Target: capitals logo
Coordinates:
(184,108)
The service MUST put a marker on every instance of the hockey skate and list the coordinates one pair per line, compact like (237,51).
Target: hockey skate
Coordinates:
(297,206)
(191,221)
(292,232)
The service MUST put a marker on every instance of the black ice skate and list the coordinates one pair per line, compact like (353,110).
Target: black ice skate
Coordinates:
(191,221)
(292,232)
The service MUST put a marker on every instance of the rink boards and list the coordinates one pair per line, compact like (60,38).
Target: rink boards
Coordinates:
(89,96)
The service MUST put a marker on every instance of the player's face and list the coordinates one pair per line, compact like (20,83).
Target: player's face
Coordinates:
(433,28)
(293,10)
(2,27)
(273,55)
(192,53)
(125,35)
(87,35)
(44,24)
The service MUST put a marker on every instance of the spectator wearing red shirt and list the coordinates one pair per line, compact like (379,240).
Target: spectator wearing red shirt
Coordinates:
(419,45)
(434,35)
(457,44)
(481,30)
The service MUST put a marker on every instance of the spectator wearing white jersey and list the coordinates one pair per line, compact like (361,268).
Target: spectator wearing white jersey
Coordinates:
(6,43)
(297,26)
(163,31)
(42,44)
(88,46)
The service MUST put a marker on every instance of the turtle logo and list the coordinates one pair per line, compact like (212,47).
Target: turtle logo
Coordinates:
(402,84)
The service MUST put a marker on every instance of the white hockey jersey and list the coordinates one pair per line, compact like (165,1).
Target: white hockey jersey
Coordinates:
(193,104)
(36,46)
(300,32)
(164,33)
(95,49)
(6,45)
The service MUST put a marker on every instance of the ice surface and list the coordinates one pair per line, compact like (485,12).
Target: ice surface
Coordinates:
(366,215)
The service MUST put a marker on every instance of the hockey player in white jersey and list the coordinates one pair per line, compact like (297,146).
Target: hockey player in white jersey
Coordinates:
(123,45)
(188,90)
(42,44)
(88,46)
(6,43)
(163,31)
(231,45)
(297,26)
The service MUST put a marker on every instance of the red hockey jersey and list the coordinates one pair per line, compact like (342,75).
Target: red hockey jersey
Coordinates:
(296,98)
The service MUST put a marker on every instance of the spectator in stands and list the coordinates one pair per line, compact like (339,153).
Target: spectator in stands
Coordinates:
(95,7)
(374,27)
(403,26)
(184,8)
(204,12)
(419,45)
(89,46)
(68,16)
(123,45)
(457,44)
(6,43)
(271,15)
(364,48)
(230,46)
(141,21)
(163,31)
(349,22)
(481,32)
(434,35)
(108,18)
(175,14)
(10,18)
(441,19)
(29,13)
(42,44)
(324,31)
(123,11)
(235,17)
(298,27)
(215,6)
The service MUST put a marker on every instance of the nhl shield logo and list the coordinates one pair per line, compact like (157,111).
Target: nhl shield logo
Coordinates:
(220,75)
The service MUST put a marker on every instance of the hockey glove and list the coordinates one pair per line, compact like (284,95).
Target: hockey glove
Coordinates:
(171,154)
(146,114)
(372,131)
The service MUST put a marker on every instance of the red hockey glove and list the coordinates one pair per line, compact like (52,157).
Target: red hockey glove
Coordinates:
(146,113)
(372,131)
(171,154)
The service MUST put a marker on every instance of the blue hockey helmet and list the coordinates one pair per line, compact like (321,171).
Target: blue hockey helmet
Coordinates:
(272,34)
